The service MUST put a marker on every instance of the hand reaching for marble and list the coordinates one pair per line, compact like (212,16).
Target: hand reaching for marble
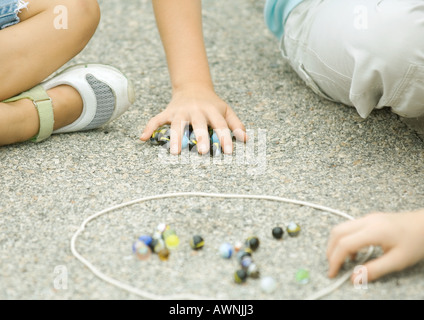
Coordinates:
(400,235)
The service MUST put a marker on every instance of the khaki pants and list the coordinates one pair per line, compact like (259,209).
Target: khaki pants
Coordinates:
(368,54)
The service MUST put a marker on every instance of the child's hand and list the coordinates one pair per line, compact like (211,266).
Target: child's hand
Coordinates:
(200,107)
(401,236)
(193,100)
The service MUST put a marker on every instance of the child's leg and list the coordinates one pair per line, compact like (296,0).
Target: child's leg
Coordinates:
(19,121)
(36,48)
(366,54)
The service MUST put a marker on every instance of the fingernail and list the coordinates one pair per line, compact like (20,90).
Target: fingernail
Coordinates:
(202,148)
(228,148)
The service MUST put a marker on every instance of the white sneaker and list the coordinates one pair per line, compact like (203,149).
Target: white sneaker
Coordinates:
(106,94)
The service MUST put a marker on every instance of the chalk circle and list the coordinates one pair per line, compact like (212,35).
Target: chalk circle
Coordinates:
(188,296)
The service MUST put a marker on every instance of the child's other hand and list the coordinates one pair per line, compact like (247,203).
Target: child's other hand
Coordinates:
(401,236)
(200,107)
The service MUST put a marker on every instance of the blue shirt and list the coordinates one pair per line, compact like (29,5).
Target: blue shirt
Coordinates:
(276,13)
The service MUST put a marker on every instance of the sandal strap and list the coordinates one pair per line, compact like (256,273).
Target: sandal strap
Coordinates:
(43,104)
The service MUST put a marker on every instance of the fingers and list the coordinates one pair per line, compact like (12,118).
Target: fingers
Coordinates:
(389,262)
(346,247)
(340,231)
(177,132)
(223,120)
(370,222)
(235,125)
(152,125)
(200,128)
(224,134)
(224,126)
(377,229)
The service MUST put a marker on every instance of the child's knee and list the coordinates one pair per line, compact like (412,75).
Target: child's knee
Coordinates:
(89,12)
(83,16)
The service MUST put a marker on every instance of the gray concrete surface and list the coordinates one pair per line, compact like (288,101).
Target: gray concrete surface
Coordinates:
(316,151)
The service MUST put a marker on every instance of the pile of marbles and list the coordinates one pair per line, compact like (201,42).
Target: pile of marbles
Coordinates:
(248,267)
(162,137)
(161,242)
(164,239)
(244,253)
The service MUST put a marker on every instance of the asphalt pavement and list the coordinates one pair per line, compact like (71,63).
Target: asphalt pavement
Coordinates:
(302,147)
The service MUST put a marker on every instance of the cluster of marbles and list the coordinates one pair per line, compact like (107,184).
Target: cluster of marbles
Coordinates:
(164,239)
(161,242)
(243,252)
(249,269)
(162,137)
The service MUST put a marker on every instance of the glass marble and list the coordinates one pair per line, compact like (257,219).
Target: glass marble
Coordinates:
(161,227)
(192,141)
(268,284)
(215,149)
(240,276)
(237,246)
(197,242)
(164,254)
(172,241)
(302,276)
(253,243)
(214,138)
(246,262)
(157,245)
(185,142)
(277,232)
(243,253)
(253,271)
(168,232)
(146,239)
(226,250)
(157,235)
(141,250)
(161,136)
(293,229)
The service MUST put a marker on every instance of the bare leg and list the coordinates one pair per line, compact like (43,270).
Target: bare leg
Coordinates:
(35,49)
(19,120)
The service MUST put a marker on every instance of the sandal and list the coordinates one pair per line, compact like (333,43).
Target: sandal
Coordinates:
(106,94)
(44,106)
